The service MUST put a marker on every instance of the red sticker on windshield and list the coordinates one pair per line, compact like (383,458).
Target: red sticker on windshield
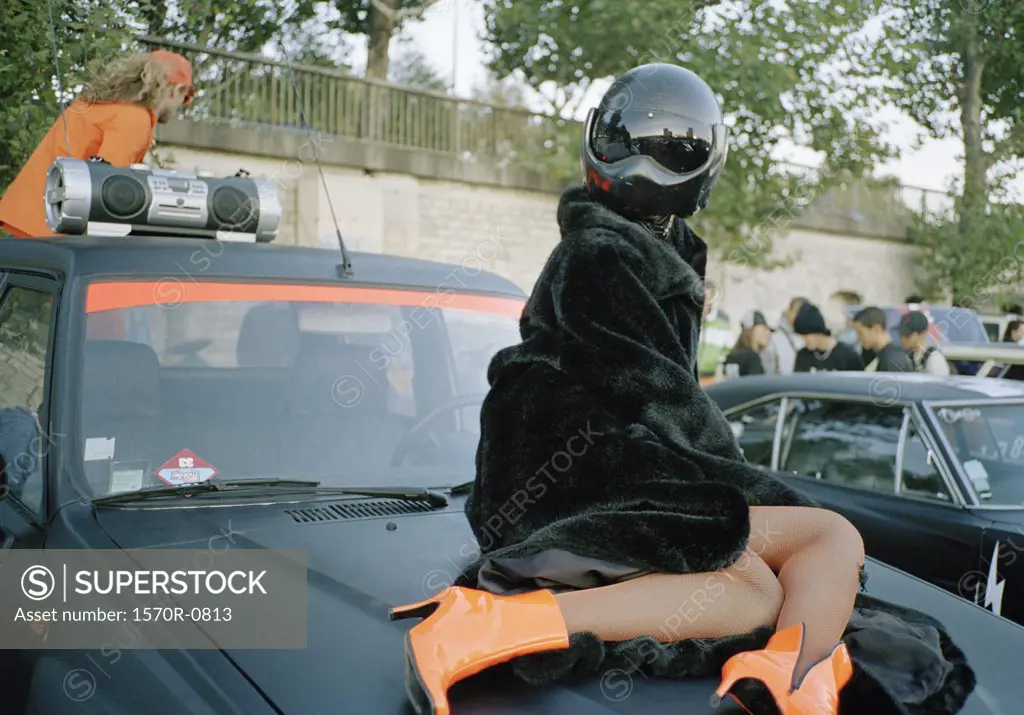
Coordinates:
(186,468)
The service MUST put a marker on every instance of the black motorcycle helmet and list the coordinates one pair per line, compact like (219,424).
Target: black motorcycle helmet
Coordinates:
(655,145)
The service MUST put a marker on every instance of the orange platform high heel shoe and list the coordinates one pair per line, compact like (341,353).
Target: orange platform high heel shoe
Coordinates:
(465,631)
(764,681)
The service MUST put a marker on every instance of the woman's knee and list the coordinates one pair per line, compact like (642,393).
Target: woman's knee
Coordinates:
(834,528)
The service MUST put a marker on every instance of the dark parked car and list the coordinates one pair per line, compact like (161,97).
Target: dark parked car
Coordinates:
(265,365)
(930,469)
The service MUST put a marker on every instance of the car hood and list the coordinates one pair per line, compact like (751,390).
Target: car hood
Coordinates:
(359,567)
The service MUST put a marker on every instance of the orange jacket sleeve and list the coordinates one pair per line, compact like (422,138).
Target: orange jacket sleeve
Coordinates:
(126,138)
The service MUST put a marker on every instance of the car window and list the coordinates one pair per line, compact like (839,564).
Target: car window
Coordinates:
(921,478)
(475,338)
(846,443)
(1011,372)
(25,325)
(988,444)
(344,385)
(755,431)
(974,367)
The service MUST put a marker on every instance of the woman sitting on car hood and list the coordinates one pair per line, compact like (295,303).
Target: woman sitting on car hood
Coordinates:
(618,519)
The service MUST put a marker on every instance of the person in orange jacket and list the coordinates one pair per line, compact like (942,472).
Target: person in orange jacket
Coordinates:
(113,119)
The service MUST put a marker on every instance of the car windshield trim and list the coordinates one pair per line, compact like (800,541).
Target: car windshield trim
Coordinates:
(815,395)
(978,402)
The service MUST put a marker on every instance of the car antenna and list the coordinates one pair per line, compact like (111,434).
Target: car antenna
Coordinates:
(345,269)
(60,77)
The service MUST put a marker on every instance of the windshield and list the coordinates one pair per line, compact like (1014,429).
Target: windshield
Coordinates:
(347,386)
(988,441)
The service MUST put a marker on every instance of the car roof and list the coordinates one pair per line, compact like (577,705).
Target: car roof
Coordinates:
(884,387)
(93,256)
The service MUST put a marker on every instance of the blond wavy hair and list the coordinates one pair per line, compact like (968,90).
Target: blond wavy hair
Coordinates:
(137,79)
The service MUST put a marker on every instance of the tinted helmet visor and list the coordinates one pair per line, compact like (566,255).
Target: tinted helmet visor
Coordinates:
(678,144)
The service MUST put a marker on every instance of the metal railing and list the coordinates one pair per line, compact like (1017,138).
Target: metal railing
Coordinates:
(252,90)
(249,89)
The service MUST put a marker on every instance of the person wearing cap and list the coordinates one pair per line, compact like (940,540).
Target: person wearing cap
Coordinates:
(870,325)
(113,119)
(745,356)
(821,351)
(913,331)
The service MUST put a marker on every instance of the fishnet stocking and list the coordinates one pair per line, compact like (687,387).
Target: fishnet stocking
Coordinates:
(673,607)
(816,553)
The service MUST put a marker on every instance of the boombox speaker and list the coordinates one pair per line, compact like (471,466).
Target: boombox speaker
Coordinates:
(97,198)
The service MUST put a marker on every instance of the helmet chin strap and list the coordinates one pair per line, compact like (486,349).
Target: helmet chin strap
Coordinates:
(660,226)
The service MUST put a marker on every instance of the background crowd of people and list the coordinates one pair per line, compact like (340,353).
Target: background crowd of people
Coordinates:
(801,341)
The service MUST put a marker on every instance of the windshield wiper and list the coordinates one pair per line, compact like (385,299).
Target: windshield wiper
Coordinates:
(434,498)
(464,488)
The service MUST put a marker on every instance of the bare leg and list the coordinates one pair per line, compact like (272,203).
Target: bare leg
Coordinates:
(673,607)
(816,553)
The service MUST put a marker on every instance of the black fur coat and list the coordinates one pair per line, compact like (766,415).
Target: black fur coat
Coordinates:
(596,438)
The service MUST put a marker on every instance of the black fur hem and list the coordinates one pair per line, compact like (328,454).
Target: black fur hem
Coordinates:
(941,691)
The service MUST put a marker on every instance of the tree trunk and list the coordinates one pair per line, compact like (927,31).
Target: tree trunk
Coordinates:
(975,195)
(379,36)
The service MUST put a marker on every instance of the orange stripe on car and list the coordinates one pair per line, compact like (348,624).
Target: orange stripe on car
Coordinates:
(170,292)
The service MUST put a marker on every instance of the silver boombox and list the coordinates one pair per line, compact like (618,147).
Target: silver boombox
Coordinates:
(99,199)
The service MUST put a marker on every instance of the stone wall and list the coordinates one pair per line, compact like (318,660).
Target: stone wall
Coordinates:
(830,270)
(493,223)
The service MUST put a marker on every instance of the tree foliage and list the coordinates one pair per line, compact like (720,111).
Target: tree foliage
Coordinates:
(773,65)
(957,68)
(83,31)
(379,21)
(411,68)
(240,25)
(985,272)
(90,33)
